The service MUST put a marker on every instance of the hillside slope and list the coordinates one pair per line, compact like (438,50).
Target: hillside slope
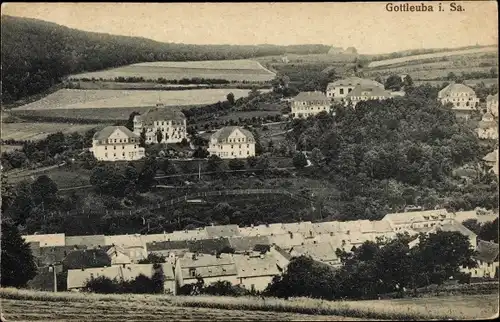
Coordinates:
(37,54)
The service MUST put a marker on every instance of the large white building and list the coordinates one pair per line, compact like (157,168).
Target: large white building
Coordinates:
(366,92)
(116,143)
(340,88)
(232,142)
(462,97)
(309,103)
(170,122)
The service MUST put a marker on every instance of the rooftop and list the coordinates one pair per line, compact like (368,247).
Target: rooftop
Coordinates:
(105,133)
(455,88)
(368,91)
(253,266)
(222,231)
(353,81)
(161,114)
(310,96)
(416,216)
(223,134)
(324,252)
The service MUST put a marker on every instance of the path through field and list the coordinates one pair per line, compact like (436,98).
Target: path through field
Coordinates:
(29,310)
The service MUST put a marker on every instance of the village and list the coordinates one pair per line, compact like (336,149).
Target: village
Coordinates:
(194,180)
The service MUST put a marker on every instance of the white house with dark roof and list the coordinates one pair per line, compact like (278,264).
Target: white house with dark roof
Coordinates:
(486,258)
(366,92)
(232,142)
(340,88)
(171,122)
(116,143)
(306,104)
(256,271)
(462,97)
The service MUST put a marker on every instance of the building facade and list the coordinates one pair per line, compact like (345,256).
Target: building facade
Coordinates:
(171,123)
(116,143)
(462,97)
(306,104)
(339,89)
(232,142)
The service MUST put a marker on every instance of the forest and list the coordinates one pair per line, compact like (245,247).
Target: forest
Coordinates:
(37,54)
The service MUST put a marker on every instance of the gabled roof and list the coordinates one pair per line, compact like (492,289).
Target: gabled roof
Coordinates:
(320,251)
(286,240)
(51,255)
(416,216)
(160,114)
(222,134)
(310,96)
(126,241)
(105,133)
(222,231)
(247,243)
(263,230)
(87,258)
(207,265)
(78,277)
(304,227)
(368,91)
(254,266)
(89,240)
(354,81)
(454,226)
(204,246)
(486,251)
(455,88)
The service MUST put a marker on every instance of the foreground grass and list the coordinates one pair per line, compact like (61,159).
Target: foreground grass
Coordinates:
(455,307)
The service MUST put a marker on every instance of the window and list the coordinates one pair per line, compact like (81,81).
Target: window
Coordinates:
(231,146)
(105,155)
(123,154)
(106,147)
(114,154)
(341,91)
(123,147)
(114,147)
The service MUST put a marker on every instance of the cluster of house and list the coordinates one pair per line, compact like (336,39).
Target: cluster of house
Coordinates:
(245,256)
(118,143)
(354,90)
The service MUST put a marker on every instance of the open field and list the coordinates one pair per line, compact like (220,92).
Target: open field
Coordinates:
(231,70)
(470,82)
(311,58)
(39,131)
(22,305)
(429,74)
(394,61)
(81,99)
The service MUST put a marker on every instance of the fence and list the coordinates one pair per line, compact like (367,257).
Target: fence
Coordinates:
(185,198)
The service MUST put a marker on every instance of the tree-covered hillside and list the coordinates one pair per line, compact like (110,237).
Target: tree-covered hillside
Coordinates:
(37,54)
(384,156)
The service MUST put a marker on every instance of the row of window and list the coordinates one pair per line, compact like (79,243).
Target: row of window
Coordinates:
(175,129)
(232,146)
(129,140)
(130,154)
(238,140)
(226,154)
(319,108)
(114,147)
(310,103)
(166,123)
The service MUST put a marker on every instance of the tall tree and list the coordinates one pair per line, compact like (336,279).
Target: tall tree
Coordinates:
(18,264)
(142,138)
(159,136)
(230,98)
(130,122)
(394,83)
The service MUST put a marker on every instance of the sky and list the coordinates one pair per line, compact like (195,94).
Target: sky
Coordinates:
(367,26)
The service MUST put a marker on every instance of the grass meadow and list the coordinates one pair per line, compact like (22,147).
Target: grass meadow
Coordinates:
(39,131)
(32,305)
(393,61)
(232,70)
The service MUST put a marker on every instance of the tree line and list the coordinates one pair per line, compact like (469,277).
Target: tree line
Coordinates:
(37,54)
(377,268)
